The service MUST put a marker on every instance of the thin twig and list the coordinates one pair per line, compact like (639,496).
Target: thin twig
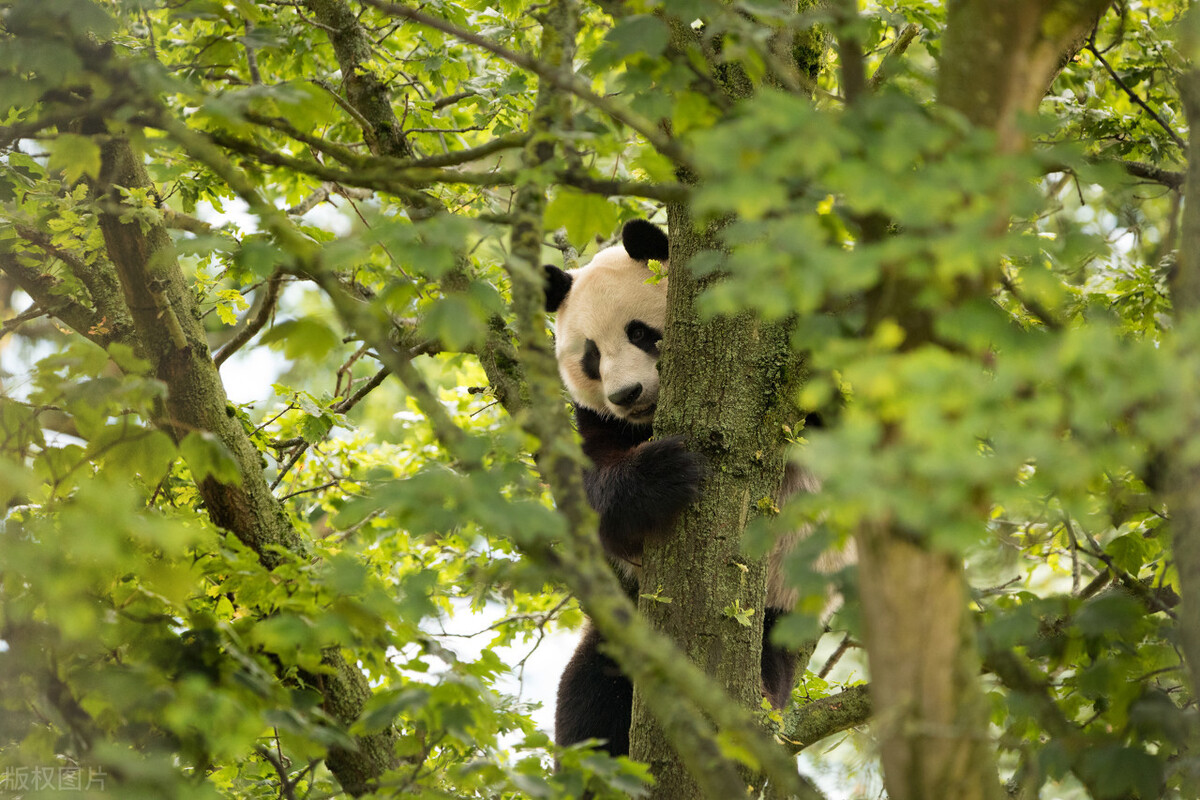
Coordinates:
(836,656)
(265,309)
(1091,48)
(363,391)
(32,313)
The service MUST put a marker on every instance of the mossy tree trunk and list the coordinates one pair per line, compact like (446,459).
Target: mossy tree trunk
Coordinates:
(164,327)
(724,389)
(728,385)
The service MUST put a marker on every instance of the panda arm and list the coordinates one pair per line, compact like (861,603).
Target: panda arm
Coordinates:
(638,487)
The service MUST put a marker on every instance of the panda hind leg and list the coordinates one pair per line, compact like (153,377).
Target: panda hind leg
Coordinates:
(778,664)
(595,701)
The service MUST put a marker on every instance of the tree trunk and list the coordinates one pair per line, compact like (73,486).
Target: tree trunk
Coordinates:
(169,334)
(1183,472)
(727,385)
(931,715)
(723,384)
(998,59)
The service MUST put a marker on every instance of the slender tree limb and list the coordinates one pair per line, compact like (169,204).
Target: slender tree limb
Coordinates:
(196,400)
(371,385)
(399,176)
(663,192)
(97,276)
(265,307)
(1172,179)
(466,155)
(322,193)
(892,58)
(13,324)
(177,220)
(50,293)
(850,52)
(1139,169)
(451,99)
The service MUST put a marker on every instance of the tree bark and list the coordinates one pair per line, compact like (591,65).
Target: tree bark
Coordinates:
(930,712)
(999,57)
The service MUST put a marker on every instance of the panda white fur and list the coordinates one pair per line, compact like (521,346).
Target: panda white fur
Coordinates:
(609,323)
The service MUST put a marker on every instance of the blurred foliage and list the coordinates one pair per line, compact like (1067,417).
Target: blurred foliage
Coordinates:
(139,642)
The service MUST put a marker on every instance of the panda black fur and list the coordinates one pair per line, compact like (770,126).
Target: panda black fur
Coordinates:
(609,325)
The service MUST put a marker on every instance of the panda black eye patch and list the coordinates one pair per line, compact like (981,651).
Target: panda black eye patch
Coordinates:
(643,337)
(591,360)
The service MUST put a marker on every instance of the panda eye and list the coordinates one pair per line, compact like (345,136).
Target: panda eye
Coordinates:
(643,337)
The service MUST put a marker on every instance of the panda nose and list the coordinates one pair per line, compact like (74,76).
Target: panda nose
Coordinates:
(626,396)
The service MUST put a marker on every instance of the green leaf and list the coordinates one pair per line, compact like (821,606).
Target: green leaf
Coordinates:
(307,338)
(208,457)
(75,155)
(584,216)
(1129,552)
(1118,771)
(638,34)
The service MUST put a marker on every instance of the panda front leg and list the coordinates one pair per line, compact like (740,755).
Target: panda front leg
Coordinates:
(639,493)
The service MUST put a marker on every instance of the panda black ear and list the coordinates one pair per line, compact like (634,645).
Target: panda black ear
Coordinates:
(644,240)
(558,283)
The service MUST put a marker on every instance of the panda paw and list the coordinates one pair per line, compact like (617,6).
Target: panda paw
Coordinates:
(641,496)
(670,475)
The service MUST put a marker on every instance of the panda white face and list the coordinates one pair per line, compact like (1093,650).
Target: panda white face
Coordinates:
(608,331)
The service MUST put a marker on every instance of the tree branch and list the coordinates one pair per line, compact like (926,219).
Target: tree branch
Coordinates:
(196,400)
(51,294)
(265,303)
(892,57)
(809,723)
(370,102)
(850,52)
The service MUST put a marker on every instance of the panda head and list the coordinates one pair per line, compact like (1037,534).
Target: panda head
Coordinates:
(609,325)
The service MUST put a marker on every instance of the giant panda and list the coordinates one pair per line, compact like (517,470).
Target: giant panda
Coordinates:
(609,324)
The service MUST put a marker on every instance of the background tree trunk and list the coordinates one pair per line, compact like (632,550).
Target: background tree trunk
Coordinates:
(1183,472)
(931,716)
